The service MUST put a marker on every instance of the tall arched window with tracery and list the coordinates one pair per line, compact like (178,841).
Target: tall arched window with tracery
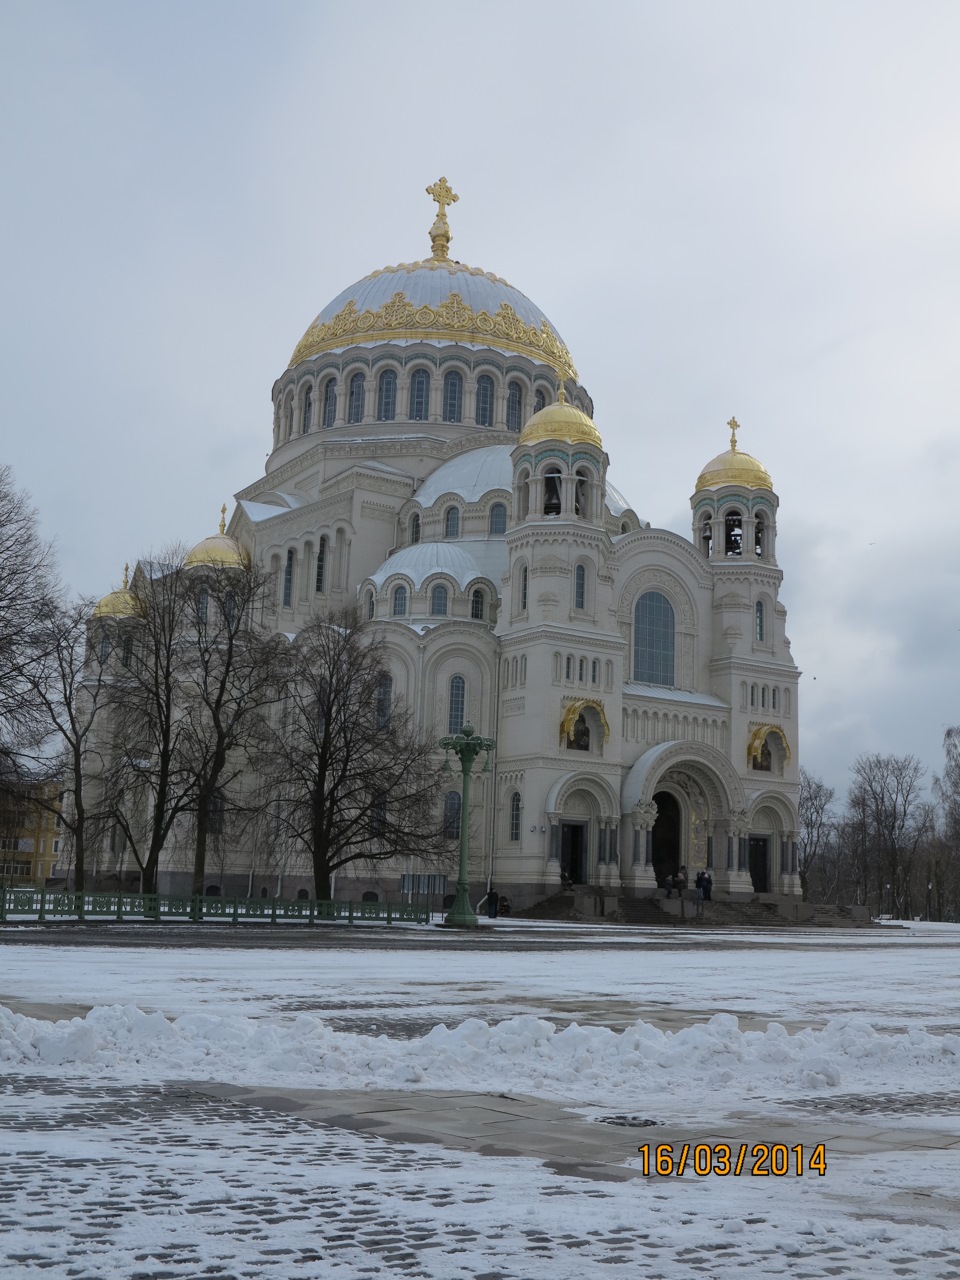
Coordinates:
(307,410)
(477,605)
(357,398)
(653,639)
(514,406)
(419,396)
(580,587)
(290,417)
(387,396)
(451,815)
(484,400)
(498,519)
(414,528)
(438,601)
(458,704)
(758,622)
(451,523)
(515,803)
(452,396)
(329,403)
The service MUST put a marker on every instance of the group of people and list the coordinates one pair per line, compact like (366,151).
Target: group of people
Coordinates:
(703,884)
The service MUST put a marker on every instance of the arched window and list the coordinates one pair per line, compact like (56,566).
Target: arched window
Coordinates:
(387,396)
(706,536)
(514,406)
(307,420)
(329,403)
(515,816)
(753,695)
(215,814)
(595,671)
(568,669)
(420,396)
(774,698)
(551,493)
(733,534)
(452,396)
(203,601)
(384,700)
(476,605)
(581,499)
(539,400)
(288,580)
(127,656)
(438,601)
(355,405)
(451,815)
(498,519)
(229,611)
(371,604)
(523,495)
(414,528)
(759,537)
(319,580)
(580,587)
(451,522)
(484,400)
(458,704)
(290,417)
(524,580)
(104,647)
(653,639)
(758,622)
(400,602)
(582,671)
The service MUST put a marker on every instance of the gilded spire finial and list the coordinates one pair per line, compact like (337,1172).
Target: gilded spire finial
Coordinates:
(440,236)
(223,518)
(562,394)
(734,426)
(126,576)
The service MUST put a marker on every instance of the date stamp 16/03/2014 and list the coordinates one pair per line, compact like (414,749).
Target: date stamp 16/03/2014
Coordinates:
(721,1160)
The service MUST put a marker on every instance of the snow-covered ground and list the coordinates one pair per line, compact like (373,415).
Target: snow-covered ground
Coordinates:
(675,1026)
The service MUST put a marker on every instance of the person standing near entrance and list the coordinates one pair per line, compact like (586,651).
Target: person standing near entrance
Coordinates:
(707,886)
(493,902)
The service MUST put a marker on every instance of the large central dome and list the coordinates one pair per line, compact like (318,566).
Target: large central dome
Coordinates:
(436,300)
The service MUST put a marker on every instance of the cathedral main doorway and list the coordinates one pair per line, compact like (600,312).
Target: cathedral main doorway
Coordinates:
(759,863)
(666,837)
(573,849)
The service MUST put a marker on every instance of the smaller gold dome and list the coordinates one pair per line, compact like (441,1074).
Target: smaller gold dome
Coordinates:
(734,467)
(218,551)
(117,604)
(561,421)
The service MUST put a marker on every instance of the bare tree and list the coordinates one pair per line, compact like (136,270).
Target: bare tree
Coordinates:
(28,593)
(887,795)
(350,777)
(66,677)
(944,868)
(231,677)
(814,809)
(149,777)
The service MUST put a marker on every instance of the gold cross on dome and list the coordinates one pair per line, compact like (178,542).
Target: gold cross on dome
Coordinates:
(734,426)
(444,194)
(223,518)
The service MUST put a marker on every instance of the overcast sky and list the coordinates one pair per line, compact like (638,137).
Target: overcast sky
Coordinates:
(724,208)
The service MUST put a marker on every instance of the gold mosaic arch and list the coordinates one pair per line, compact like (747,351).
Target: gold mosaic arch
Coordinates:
(453,320)
(573,711)
(759,737)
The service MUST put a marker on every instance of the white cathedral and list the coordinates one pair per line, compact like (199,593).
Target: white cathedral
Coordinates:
(434,457)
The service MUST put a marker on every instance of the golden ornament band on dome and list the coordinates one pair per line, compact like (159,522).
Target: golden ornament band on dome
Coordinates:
(759,737)
(573,711)
(223,518)
(440,236)
(452,320)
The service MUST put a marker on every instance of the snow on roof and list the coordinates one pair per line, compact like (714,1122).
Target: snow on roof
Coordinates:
(616,502)
(465,560)
(658,693)
(257,511)
(470,475)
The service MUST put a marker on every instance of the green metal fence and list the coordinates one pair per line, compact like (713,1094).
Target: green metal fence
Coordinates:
(59,904)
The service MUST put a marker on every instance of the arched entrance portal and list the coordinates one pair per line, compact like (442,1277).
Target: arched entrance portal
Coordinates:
(666,837)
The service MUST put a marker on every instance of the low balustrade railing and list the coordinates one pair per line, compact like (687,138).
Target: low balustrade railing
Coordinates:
(66,904)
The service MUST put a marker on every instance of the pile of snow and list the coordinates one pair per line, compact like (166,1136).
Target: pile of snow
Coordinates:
(524,1054)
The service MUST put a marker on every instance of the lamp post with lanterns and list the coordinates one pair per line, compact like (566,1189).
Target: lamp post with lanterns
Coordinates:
(466,746)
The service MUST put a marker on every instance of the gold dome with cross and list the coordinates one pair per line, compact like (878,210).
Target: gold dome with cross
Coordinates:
(734,467)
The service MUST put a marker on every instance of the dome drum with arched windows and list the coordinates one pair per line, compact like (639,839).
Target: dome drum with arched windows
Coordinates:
(435,463)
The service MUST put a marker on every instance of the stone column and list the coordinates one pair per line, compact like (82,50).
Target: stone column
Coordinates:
(636,864)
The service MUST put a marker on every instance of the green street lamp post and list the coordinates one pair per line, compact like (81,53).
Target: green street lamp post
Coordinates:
(466,746)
